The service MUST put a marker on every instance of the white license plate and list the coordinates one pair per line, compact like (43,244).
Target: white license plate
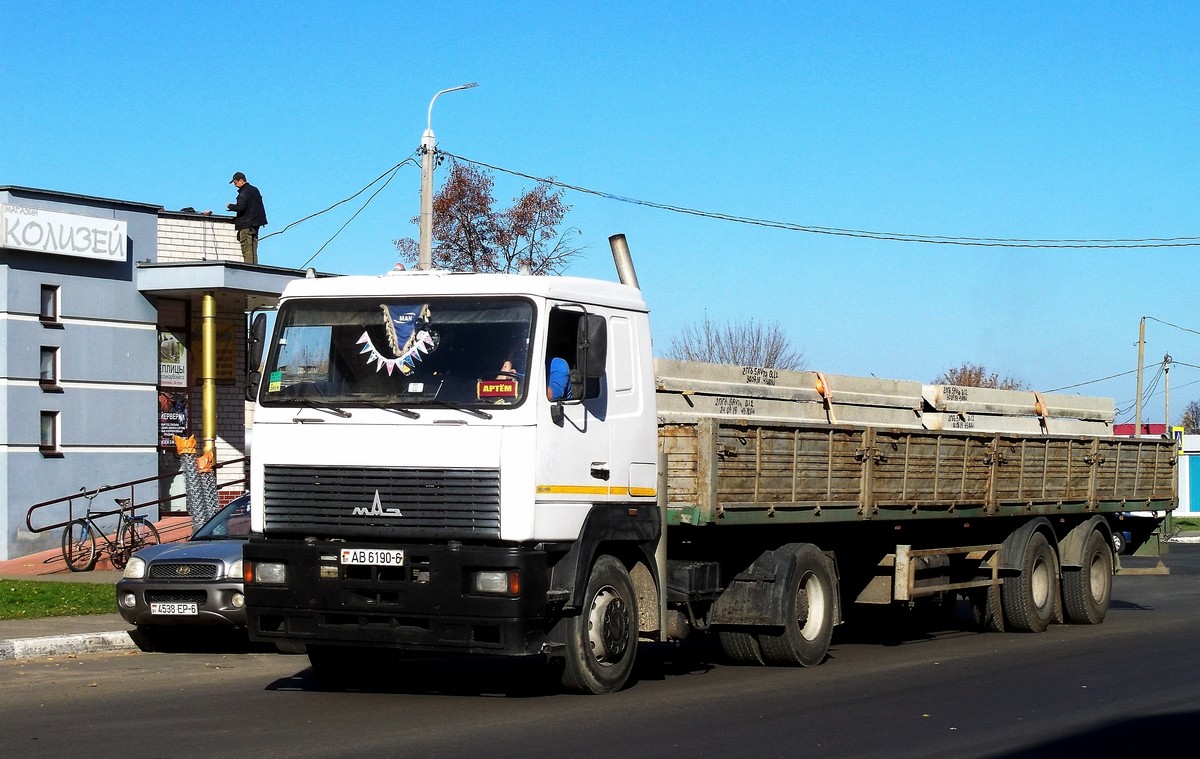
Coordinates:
(375,557)
(174,609)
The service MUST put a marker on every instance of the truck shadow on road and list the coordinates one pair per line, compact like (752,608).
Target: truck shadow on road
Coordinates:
(495,676)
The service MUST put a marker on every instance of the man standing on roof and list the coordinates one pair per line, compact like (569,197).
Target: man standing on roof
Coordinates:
(250,216)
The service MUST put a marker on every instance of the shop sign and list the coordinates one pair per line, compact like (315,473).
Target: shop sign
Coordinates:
(63,234)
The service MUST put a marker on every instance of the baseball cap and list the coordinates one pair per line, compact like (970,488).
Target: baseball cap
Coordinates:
(236,176)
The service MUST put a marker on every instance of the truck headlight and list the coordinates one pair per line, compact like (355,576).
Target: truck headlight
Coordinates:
(235,570)
(265,572)
(135,569)
(501,582)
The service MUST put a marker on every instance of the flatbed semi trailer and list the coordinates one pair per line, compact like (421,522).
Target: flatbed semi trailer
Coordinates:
(416,490)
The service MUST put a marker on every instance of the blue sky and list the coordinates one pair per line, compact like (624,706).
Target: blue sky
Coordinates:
(989,119)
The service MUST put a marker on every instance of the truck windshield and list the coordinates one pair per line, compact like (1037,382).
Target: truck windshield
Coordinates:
(404,352)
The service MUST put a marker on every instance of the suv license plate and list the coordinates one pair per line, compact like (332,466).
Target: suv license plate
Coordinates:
(174,609)
(374,557)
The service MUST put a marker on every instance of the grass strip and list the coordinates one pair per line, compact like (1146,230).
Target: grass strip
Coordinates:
(34,599)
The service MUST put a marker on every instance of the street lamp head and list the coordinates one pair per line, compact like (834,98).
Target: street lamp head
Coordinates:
(429,115)
(428,146)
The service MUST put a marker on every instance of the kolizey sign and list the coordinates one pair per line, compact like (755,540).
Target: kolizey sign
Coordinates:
(64,234)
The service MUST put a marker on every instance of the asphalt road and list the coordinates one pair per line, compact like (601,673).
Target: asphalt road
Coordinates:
(1125,686)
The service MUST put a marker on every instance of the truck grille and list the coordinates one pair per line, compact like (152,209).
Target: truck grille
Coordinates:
(347,501)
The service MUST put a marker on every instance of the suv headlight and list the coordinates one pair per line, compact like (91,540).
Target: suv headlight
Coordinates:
(135,569)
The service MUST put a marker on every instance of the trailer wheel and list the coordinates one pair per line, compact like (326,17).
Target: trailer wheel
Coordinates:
(740,647)
(602,640)
(808,628)
(1030,598)
(986,611)
(1088,590)
(1118,542)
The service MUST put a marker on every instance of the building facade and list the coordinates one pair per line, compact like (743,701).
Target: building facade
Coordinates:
(102,304)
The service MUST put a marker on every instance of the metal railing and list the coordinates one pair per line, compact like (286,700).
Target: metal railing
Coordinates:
(129,487)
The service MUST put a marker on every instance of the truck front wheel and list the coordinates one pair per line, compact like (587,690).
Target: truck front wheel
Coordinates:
(808,627)
(602,639)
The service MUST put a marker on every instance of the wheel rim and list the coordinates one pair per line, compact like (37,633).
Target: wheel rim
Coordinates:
(608,626)
(1039,583)
(1097,578)
(811,605)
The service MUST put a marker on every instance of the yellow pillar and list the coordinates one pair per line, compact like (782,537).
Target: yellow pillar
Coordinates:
(208,369)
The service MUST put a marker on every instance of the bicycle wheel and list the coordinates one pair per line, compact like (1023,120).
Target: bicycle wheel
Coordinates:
(79,546)
(136,535)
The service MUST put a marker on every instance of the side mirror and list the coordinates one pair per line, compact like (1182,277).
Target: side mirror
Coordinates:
(591,355)
(252,382)
(255,342)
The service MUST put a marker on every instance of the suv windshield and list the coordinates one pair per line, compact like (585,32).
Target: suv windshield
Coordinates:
(231,522)
(400,352)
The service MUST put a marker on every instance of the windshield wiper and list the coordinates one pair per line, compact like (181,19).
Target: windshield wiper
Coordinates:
(405,412)
(326,407)
(465,409)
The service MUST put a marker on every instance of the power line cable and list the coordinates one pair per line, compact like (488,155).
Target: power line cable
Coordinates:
(391,171)
(394,169)
(1176,326)
(988,242)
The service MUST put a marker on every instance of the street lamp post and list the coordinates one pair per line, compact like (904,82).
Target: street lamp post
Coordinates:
(428,148)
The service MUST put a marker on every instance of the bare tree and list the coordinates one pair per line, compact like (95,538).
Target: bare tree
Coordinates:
(1191,418)
(975,375)
(748,343)
(470,234)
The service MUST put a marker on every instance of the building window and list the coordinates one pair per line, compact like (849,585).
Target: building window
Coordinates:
(49,314)
(48,372)
(48,444)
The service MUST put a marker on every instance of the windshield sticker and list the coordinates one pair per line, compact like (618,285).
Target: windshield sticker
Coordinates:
(275,382)
(409,337)
(499,389)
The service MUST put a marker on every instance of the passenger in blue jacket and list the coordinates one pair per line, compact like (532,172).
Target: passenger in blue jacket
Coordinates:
(250,216)
(558,380)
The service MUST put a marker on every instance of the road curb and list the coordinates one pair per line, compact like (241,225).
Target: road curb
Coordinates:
(61,645)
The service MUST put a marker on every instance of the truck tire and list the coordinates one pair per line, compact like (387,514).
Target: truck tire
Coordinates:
(809,608)
(602,639)
(740,647)
(1118,542)
(1030,598)
(986,612)
(1088,590)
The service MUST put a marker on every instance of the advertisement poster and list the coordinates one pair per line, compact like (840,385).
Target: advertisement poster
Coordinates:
(172,360)
(173,416)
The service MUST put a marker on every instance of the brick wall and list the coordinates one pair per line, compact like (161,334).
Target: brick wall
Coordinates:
(199,238)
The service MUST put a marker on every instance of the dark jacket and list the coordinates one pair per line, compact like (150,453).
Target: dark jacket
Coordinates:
(249,207)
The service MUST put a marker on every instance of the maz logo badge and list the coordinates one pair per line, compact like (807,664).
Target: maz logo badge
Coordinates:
(376,510)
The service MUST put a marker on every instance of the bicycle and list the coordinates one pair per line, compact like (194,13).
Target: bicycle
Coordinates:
(79,536)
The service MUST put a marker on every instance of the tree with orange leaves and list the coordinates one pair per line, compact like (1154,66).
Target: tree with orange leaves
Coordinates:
(470,234)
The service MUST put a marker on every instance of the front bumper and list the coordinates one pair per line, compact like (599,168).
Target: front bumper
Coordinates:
(214,602)
(424,606)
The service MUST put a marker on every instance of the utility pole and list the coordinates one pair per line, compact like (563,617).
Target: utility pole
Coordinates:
(1137,429)
(427,150)
(1167,386)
